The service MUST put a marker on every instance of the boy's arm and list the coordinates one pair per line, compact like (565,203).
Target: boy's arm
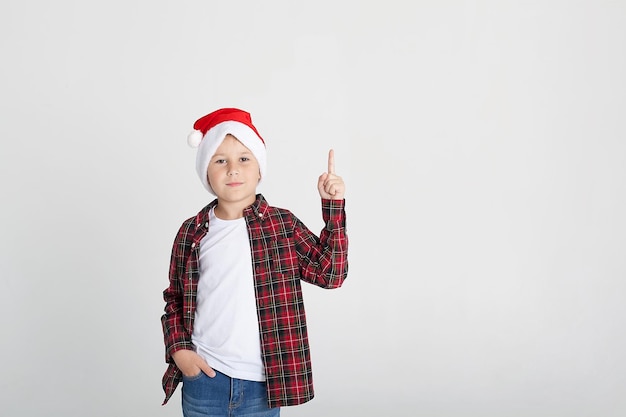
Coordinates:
(175,335)
(324,261)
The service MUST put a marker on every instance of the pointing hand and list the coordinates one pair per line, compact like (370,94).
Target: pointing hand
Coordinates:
(330,185)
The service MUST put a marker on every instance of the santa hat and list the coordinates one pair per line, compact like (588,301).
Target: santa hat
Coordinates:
(210,130)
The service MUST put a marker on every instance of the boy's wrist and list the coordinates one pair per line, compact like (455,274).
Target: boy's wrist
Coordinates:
(178,347)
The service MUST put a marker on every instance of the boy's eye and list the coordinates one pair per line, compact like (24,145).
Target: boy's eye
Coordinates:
(244,158)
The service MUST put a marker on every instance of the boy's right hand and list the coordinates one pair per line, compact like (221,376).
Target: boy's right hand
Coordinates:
(191,364)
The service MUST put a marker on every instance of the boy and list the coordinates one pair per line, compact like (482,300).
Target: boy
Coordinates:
(234,324)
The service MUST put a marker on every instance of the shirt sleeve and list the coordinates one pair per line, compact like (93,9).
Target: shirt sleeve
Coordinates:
(324,260)
(175,335)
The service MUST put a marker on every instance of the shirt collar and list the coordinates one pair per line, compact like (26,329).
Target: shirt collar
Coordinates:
(256,210)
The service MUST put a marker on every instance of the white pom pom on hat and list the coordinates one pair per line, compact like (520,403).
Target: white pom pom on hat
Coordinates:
(209,131)
(194,138)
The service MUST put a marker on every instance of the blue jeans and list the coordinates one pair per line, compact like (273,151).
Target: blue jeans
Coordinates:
(224,396)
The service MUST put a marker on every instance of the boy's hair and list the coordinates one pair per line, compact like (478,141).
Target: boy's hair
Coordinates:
(210,130)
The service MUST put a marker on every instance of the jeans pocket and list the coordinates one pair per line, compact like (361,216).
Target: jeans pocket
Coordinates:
(193,377)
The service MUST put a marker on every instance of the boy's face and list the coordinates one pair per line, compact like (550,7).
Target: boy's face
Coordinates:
(233,171)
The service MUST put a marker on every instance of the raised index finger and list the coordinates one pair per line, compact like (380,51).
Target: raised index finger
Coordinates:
(331,161)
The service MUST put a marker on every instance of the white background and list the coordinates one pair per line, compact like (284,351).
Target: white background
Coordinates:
(483,146)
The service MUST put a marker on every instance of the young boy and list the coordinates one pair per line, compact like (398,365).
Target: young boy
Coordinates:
(234,324)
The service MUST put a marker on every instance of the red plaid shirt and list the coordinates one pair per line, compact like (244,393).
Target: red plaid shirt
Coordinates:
(284,252)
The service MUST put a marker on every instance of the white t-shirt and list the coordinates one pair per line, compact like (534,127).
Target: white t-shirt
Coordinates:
(226,327)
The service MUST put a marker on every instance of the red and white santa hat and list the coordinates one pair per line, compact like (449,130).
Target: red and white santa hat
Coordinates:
(210,130)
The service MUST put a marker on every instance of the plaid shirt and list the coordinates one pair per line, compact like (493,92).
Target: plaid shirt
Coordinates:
(284,251)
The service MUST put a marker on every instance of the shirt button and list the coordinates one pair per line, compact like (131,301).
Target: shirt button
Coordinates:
(193,245)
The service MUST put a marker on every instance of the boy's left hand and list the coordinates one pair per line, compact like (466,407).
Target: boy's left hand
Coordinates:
(330,185)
